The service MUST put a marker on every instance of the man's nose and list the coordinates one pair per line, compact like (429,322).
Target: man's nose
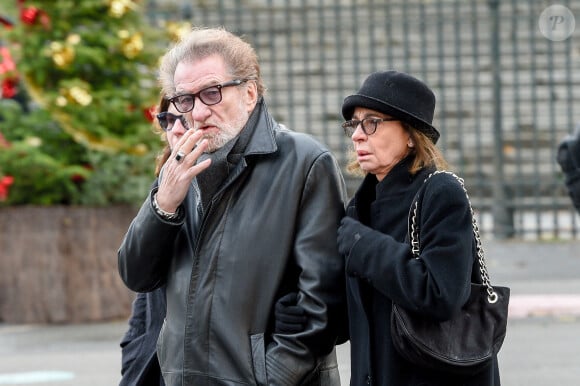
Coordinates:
(200,111)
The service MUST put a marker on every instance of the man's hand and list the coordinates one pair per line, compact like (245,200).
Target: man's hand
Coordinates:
(180,169)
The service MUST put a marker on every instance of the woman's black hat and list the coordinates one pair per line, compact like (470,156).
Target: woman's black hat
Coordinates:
(399,95)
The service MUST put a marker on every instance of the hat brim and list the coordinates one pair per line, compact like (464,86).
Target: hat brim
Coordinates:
(358,100)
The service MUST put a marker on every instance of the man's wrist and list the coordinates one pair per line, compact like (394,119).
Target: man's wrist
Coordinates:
(169,216)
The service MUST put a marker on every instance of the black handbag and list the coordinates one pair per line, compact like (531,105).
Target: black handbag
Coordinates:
(466,343)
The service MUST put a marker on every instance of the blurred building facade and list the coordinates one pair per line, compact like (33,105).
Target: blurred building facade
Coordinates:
(505,74)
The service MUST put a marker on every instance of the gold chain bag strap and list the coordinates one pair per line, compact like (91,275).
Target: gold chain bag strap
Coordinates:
(466,343)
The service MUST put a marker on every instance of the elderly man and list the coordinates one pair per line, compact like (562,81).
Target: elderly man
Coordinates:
(245,212)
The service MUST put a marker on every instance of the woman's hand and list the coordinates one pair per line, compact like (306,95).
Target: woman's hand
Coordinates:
(349,233)
(290,317)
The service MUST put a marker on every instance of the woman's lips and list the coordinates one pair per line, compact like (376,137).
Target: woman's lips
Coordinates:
(362,153)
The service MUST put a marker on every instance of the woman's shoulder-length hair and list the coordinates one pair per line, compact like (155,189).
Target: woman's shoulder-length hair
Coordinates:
(427,154)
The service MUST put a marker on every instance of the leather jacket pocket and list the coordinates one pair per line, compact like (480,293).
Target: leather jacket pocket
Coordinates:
(329,377)
(329,373)
(326,373)
(259,359)
(160,352)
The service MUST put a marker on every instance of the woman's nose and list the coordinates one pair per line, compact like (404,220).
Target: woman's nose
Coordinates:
(178,127)
(358,133)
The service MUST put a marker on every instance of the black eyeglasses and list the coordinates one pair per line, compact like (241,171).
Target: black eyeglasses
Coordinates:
(209,96)
(167,120)
(369,125)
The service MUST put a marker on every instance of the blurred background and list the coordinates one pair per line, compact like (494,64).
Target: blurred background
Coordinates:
(79,86)
(504,74)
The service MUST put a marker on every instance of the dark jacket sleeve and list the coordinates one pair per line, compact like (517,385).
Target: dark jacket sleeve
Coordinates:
(139,364)
(438,283)
(137,323)
(321,280)
(143,257)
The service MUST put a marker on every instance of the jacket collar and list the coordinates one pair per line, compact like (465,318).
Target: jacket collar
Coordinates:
(263,139)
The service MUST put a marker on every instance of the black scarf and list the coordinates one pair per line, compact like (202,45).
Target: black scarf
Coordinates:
(223,161)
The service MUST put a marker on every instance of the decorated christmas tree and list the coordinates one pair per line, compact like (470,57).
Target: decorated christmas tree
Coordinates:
(79,88)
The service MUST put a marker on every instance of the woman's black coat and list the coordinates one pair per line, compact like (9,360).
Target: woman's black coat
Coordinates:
(381,269)
(139,364)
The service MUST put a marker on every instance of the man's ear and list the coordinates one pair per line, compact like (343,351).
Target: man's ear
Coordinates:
(251,95)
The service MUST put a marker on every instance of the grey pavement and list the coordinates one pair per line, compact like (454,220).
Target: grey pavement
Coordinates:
(542,346)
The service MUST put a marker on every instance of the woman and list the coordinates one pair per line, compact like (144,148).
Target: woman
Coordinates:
(389,121)
(139,364)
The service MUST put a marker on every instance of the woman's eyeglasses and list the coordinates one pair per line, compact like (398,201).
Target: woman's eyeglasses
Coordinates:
(167,120)
(368,125)
(209,96)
